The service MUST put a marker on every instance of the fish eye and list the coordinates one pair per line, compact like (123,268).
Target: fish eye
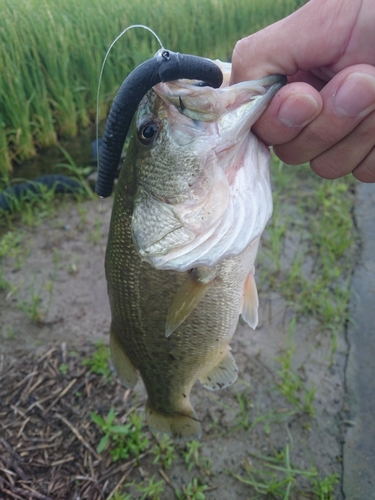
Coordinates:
(148,132)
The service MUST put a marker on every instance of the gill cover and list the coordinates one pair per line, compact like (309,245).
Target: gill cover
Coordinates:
(165,66)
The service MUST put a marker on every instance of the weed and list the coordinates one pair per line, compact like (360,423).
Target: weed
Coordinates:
(63,368)
(12,247)
(192,491)
(150,489)
(99,362)
(79,173)
(277,476)
(164,452)
(118,496)
(33,306)
(4,283)
(95,235)
(324,489)
(125,440)
(245,413)
(192,457)
(9,333)
(11,244)
(290,384)
(82,211)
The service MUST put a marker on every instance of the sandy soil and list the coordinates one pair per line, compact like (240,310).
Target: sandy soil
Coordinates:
(58,295)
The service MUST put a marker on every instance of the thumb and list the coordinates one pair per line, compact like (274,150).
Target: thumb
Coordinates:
(313,37)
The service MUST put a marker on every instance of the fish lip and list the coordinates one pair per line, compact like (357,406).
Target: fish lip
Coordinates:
(243,115)
(261,90)
(268,81)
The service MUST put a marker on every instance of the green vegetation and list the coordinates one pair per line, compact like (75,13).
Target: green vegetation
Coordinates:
(127,440)
(289,382)
(33,306)
(99,362)
(164,452)
(51,54)
(277,477)
(315,274)
(192,491)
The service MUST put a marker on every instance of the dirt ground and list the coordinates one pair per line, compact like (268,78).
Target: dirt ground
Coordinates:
(55,311)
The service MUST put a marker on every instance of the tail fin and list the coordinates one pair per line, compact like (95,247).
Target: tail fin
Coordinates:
(178,425)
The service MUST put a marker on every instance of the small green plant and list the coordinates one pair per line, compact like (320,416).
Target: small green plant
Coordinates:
(10,243)
(164,452)
(151,489)
(79,173)
(277,476)
(192,491)
(192,457)
(118,496)
(9,333)
(124,440)
(245,413)
(99,362)
(63,368)
(324,489)
(291,385)
(191,453)
(34,307)
(95,234)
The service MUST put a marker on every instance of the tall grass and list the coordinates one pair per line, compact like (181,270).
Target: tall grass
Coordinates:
(51,53)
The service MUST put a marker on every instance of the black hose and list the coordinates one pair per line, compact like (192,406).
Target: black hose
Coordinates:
(164,67)
(26,190)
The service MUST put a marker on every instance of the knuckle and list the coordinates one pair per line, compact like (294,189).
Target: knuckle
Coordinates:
(288,154)
(328,167)
(365,171)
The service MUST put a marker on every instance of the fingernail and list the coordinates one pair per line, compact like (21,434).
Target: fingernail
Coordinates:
(298,110)
(355,96)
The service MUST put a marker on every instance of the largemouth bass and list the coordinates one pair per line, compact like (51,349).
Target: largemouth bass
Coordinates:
(191,203)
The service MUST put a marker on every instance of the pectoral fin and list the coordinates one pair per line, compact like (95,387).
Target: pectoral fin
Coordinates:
(187,298)
(222,374)
(125,369)
(250,303)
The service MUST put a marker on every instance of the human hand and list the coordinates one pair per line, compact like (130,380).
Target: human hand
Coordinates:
(326,115)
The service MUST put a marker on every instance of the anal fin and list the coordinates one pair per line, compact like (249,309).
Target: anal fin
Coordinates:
(188,297)
(250,303)
(222,374)
(125,369)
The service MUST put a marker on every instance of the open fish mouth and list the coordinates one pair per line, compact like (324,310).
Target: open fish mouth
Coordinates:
(232,109)
(228,202)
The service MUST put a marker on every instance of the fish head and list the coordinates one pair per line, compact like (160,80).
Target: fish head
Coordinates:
(203,191)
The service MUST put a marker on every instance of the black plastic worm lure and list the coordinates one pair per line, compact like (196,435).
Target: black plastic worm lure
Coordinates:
(165,66)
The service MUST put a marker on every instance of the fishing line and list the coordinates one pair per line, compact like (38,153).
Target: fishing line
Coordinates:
(101,74)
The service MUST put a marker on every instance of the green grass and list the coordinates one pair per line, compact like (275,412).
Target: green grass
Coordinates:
(314,276)
(125,440)
(276,477)
(99,362)
(51,54)
(34,306)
